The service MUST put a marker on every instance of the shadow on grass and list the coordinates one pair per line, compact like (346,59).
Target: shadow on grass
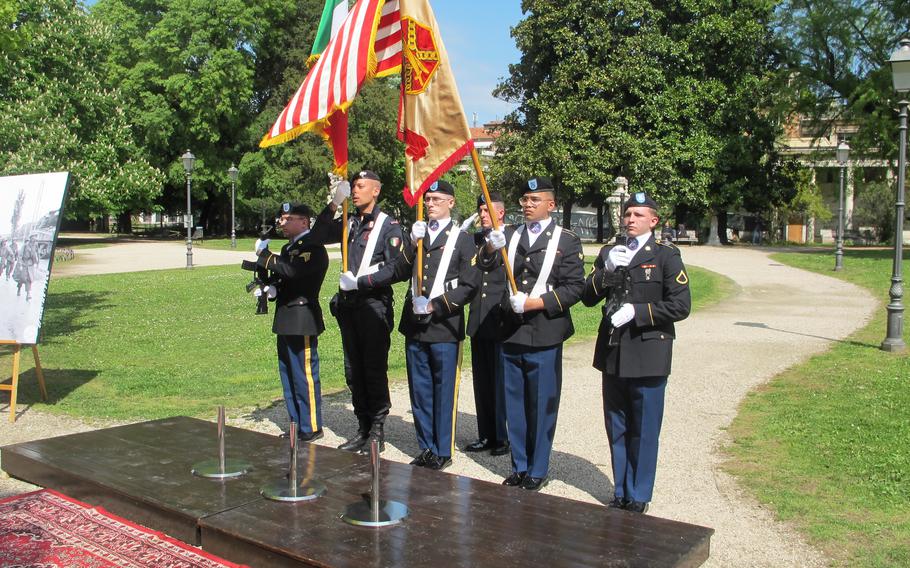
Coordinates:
(843,341)
(59,382)
(64,313)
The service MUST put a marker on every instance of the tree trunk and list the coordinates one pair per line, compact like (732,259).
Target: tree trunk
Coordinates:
(722,227)
(125,223)
(567,214)
(600,223)
(712,232)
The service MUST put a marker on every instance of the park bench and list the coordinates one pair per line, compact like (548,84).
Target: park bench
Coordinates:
(688,239)
(197,235)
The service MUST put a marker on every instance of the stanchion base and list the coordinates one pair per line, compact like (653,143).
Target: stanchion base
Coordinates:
(390,513)
(212,469)
(305,491)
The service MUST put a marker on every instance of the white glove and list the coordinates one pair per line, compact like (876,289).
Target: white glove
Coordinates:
(618,256)
(261,245)
(518,302)
(271,292)
(466,224)
(340,191)
(623,315)
(257,291)
(418,231)
(497,240)
(348,281)
(421,305)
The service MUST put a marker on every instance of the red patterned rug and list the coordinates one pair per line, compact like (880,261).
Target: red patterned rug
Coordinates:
(47,529)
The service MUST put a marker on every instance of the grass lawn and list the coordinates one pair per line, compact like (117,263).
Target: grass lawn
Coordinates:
(162,343)
(826,444)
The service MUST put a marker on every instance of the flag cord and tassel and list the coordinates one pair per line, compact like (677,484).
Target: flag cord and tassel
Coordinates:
(493,217)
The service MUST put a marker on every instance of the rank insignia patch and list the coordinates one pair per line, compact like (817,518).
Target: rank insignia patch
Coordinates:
(306,256)
(682,278)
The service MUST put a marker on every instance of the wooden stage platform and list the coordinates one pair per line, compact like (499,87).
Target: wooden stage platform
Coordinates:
(142,472)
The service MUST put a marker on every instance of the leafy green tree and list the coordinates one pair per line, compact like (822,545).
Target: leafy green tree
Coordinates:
(836,52)
(58,113)
(675,96)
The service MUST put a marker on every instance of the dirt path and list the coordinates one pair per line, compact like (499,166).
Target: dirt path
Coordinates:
(775,320)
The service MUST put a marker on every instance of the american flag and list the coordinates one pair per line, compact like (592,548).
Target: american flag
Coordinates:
(367,45)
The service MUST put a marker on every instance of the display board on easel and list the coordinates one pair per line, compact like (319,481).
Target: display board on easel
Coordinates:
(31,209)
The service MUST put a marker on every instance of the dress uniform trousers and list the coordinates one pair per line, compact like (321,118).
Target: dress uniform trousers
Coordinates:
(366,325)
(633,413)
(533,382)
(489,389)
(298,365)
(433,386)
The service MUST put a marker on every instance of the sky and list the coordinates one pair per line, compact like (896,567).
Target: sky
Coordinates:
(476,35)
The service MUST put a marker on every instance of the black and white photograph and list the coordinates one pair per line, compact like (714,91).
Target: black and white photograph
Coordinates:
(30,210)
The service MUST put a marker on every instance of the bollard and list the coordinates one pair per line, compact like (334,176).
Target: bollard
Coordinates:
(221,468)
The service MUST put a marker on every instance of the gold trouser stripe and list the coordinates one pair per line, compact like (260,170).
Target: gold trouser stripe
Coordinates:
(455,397)
(310,382)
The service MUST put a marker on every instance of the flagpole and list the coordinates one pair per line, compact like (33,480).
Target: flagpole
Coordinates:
(419,283)
(493,217)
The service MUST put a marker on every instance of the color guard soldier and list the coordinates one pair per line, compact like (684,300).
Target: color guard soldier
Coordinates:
(364,315)
(432,321)
(548,264)
(297,274)
(636,362)
(484,321)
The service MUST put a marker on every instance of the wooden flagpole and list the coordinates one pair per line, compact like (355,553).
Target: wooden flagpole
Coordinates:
(493,217)
(13,388)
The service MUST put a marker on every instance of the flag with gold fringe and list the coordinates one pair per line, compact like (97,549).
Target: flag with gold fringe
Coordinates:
(431,120)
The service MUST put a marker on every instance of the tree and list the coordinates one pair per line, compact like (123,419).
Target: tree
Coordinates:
(672,95)
(836,52)
(59,114)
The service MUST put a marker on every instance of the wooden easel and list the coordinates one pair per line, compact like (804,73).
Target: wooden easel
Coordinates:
(13,388)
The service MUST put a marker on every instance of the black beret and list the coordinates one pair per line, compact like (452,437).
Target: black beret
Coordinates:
(441,186)
(295,208)
(536,184)
(494,197)
(641,199)
(365,174)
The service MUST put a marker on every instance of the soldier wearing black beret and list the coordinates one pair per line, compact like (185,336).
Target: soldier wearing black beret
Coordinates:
(635,345)
(548,264)
(297,273)
(364,314)
(484,320)
(432,320)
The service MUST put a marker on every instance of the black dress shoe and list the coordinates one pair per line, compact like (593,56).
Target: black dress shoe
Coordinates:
(284,435)
(309,436)
(500,449)
(637,507)
(354,444)
(478,445)
(438,463)
(533,483)
(515,479)
(618,503)
(421,460)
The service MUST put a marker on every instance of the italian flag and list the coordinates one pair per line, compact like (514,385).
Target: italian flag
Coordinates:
(333,15)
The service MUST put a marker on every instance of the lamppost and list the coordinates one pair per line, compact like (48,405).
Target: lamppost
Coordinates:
(900,73)
(843,154)
(622,184)
(188,160)
(233,172)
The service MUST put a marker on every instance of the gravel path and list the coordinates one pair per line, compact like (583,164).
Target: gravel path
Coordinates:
(775,320)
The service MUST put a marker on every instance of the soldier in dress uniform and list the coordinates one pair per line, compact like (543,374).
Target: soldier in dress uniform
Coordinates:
(636,362)
(297,274)
(432,321)
(364,315)
(548,264)
(8,256)
(484,320)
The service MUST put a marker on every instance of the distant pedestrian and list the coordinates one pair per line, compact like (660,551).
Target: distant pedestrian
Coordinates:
(8,256)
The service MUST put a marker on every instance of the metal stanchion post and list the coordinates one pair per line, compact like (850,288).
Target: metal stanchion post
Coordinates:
(221,468)
(294,489)
(375,513)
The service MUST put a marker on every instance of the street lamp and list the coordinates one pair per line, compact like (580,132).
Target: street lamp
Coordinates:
(188,160)
(233,172)
(622,184)
(900,73)
(843,154)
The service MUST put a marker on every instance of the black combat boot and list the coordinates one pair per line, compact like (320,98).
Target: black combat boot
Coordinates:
(375,432)
(356,443)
